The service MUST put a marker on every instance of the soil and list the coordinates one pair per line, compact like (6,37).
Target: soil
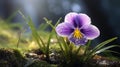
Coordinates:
(11,58)
(36,58)
(97,61)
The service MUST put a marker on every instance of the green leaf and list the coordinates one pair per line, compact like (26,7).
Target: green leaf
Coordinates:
(65,45)
(53,27)
(99,46)
(110,51)
(23,16)
(87,47)
(49,22)
(34,31)
(19,37)
(58,39)
(92,52)
(48,44)
(59,43)
(43,26)
(35,34)
(77,51)
(58,22)
(105,48)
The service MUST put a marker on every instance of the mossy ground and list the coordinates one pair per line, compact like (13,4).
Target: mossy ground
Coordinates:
(11,58)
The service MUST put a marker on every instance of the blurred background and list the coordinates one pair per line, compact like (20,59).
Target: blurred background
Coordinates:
(105,14)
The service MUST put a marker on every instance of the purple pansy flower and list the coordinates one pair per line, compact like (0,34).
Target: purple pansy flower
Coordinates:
(77,28)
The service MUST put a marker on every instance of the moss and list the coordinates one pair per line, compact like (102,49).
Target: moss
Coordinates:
(3,39)
(11,58)
(19,57)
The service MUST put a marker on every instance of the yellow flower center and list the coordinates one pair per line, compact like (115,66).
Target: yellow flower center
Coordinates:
(77,34)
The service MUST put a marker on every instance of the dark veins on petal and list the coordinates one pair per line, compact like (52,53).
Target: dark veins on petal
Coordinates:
(71,30)
(76,41)
(77,22)
(84,31)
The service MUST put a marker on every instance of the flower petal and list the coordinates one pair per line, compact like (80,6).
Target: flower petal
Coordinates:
(70,16)
(85,19)
(78,20)
(64,29)
(76,41)
(91,31)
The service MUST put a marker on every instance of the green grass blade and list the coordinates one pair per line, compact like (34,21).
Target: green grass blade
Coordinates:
(19,38)
(49,22)
(31,25)
(105,48)
(34,32)
(87,47)
(61,40)
(99,46)
(43,26)
(58,22)
(63,53)
(23,16)
(65,45)
(53,27)
(59,43)
(77,51)
(48,44)
(101,50)
(110,51)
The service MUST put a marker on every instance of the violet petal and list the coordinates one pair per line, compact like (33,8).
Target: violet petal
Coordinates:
(84,19)
(78,20)
(64,29)
(76,41)
(91,31)
(70,18)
